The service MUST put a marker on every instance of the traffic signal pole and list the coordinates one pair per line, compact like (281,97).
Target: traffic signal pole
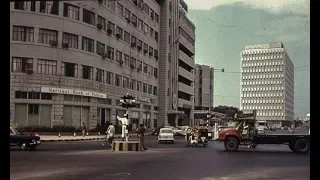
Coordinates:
(127,102)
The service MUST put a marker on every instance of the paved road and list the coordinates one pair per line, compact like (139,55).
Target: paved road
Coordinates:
(88,160)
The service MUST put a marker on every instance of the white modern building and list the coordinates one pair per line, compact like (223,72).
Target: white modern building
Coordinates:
(267,83)
(71,61)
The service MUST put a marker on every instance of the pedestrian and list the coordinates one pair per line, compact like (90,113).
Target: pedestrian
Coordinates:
(141,136)
(84,129)
(110,133)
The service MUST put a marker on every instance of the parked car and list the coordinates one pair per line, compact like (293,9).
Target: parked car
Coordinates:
(166,135)
(24,141)
(176,131)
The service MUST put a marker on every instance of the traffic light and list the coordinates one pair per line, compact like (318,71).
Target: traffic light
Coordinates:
(127,101)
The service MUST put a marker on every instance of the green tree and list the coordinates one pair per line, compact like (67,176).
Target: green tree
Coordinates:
(228,110)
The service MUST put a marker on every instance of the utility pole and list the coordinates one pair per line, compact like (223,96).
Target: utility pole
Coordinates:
(127,101)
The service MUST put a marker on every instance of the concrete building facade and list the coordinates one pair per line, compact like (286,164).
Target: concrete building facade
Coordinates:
(203,87)
(71,61)
(267,83)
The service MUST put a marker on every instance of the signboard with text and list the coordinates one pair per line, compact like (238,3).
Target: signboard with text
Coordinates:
(72,92)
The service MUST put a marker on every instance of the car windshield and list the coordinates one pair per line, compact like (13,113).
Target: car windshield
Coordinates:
(166,131)
(15,131)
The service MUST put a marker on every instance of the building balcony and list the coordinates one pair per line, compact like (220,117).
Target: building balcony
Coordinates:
(186,74)
(185,104)
(185,58)
(185,88)
(187,44)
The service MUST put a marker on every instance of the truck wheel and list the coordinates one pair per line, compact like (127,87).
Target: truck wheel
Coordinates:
(302,146)
(23,146)
(231,144)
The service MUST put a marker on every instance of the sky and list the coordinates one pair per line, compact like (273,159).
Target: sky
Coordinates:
(224,27)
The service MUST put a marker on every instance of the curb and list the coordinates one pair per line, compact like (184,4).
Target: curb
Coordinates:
(83,139)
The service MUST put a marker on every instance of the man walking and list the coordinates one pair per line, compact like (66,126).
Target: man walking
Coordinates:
(84,129)
(141,137)
(110,134)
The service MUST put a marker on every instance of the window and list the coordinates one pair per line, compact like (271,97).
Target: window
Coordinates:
(112,27)
(118,56)
(126,37)
(134,20)
(21,95)
(22,33)
(132,84)
(69,69)
(127,13)
(100,75)
(138,86)
(118,80)
(145,47)
(33,108)
(87,72)
(33,95)
(120,32)
(100,48)
(150,70)
(87,44)
(119,9)
(109,79)
(146,8)
(110,51)
(146,28)
(156,36)
(46,96)
(46,35)
(156,18)
(125,83)
(151,32)
(49,7)
(150,51)
(151,14)
(71,40)
(145,68)
(127,60)
(140,24)
(111,5)
(133,40)
(155,90)
(145,88)
(155,72)
(133,62)
(102,21)
(71,11)
(88,17)
(155,53)
(20,64)
(48,67)
(150,89)
(25,5)
(139,43)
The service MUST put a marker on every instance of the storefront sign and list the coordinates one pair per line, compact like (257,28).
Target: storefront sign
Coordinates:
(72,92)
(143,99)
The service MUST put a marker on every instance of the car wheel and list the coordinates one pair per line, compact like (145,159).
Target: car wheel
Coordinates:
(23,146)
(231,144)
(172,142)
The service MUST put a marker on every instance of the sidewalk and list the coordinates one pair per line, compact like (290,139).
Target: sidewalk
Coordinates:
(81,138)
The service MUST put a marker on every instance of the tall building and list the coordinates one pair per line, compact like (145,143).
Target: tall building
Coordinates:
(203,87)
(71,61)
(267,83)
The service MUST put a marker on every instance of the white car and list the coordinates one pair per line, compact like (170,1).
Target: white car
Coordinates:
(165,135)
(175,130)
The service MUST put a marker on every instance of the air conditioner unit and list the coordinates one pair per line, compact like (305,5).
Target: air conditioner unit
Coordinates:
(133,44)
(128,19)
(104,55)
(118,36)
(139,48)
(139,69)
(150,53)
(99,26)
(156,56)
(132,66)
(53,43)
(145,51)
(65,45)
(109,31)
(121,62)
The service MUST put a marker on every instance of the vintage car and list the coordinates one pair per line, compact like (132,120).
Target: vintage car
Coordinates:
(166,135)
(24,141)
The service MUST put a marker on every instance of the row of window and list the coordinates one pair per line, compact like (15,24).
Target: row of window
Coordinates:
(263,51)
(261,70)
(33,95)
(260,58)
(264,108)
(71,70)
(253,83)
(269,88)
(73,12)
(46,36)
(264,64)
(258,95)
(267,101)
(263,76)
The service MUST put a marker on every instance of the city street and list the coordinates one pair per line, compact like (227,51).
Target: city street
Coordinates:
(89,160)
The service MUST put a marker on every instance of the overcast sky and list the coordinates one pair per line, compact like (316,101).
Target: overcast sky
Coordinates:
(224,27)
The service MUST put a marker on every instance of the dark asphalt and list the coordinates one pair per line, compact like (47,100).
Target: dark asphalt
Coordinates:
(87,160)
